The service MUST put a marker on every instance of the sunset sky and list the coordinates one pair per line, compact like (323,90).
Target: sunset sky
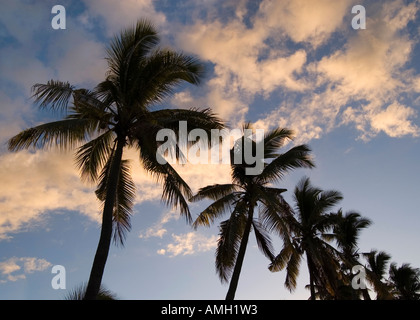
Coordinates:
(352,95)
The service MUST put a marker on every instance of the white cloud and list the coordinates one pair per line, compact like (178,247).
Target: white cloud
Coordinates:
(16,268)
(244,64)
(158,229)
(360,83)
(302,20)
(188,244)
(36,183)
(396,120)
(125,13)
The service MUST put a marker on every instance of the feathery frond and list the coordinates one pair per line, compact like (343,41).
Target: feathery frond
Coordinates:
(54,94)
(65,134)
(124,199)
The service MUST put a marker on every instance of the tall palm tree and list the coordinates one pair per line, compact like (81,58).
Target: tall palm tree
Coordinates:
(243,195)
(376,268)
(121,111)
(310,228)
(405,281)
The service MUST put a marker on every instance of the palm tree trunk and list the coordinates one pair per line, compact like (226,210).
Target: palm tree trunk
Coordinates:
(102,250)
(366,295)
(311,276)
(240,258)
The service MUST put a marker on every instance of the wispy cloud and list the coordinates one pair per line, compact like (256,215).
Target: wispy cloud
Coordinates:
(16,268)
(188,244)
(158,229)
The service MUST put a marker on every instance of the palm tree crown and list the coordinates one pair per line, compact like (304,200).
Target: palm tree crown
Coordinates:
(310,233)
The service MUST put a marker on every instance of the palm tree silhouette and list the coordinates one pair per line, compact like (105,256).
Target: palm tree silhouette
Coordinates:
(121,111)
(310,228)
(405,281)
(241,197)
(376,268)
(346,233)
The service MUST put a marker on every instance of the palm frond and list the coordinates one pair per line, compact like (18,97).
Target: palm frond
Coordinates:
(347,228)
(64,133)
(93,155)
(214,192)
(292,271)
(230,235)
(275,213)
(87,105)
(54,94)
(128,49)
(328,199)
(263,239)
(124,199)
(176,191)
(274,140)
(203,119)
(290,258)
(163,70)
(296,157)
(216,209)
(78,293)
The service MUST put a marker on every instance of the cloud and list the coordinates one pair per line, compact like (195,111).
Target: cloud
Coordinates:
(47,181)
(303,21)
(395,120)
(16,268)
(34,184)
(188,244)
(245,64)
(117,17)
(364,83)
(158,229)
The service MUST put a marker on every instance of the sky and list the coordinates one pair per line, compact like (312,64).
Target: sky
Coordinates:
(352,95)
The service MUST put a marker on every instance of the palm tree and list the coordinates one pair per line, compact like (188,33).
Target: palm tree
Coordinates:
(376,268)
(243,195)
(346,232)
(121,111)
(310,232)
(405,281)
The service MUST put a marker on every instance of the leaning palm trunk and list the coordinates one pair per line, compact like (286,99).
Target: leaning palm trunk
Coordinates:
(102,250)
(240,258)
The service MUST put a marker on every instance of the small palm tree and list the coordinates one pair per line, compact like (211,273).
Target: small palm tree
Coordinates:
(242,196)
(405,281)
(310,228)
(376,269)
(121,111)
(346,232)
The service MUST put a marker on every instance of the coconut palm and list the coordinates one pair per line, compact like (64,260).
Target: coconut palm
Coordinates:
(346,233)
(122,111)
(405,281)
(376,269)
(241,198)
(310,235)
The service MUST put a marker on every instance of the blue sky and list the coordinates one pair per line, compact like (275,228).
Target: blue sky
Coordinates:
(351,95)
